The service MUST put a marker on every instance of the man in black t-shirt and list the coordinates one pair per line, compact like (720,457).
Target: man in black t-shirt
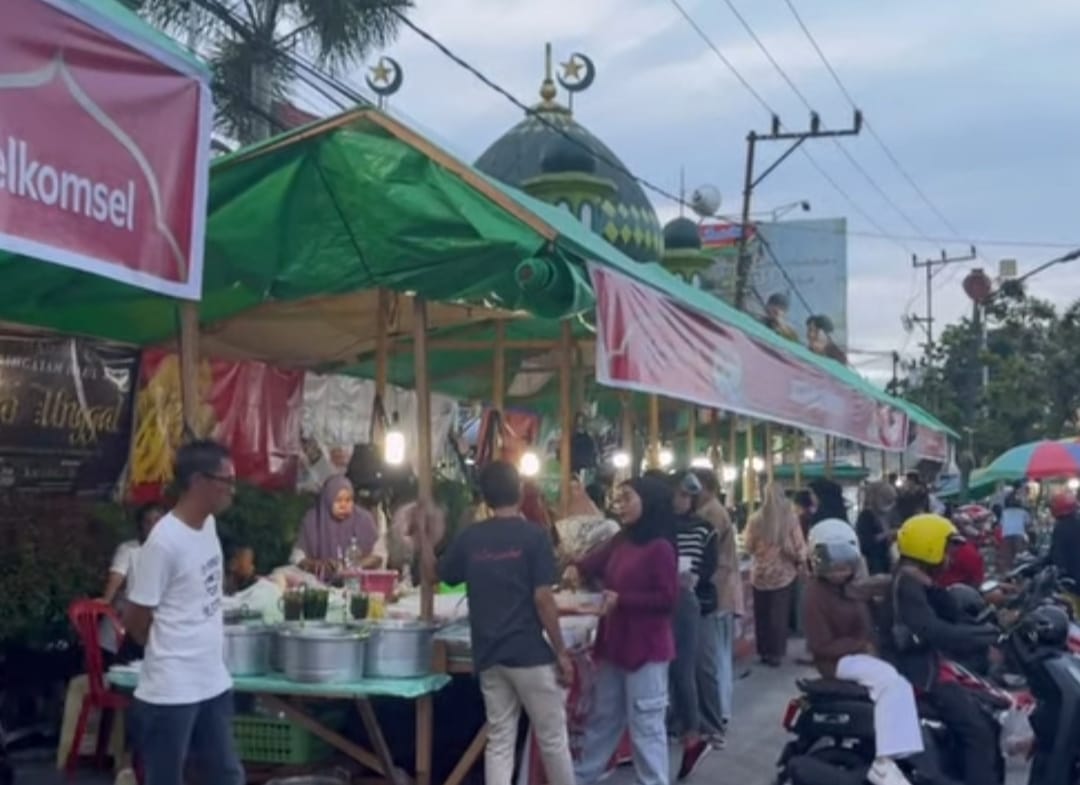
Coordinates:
(508,566)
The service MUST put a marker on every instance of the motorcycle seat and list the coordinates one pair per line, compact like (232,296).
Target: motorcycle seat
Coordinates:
(833,688)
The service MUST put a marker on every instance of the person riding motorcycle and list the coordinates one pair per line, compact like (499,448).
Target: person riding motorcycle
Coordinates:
(1065,541)
(923,624)
(839,637)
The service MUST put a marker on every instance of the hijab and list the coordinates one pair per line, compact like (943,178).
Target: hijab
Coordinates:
(323,537)
(771,522)
(830,498)
(880,499)
(657,519)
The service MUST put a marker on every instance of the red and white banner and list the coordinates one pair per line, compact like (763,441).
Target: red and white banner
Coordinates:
(104,147)
(929,444)
(648,342)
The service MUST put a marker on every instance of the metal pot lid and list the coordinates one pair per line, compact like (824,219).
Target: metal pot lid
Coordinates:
(248,628)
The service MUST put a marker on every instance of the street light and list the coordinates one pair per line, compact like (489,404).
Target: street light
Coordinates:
(779,212)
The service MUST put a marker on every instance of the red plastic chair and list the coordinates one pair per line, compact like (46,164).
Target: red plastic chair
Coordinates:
(86,617)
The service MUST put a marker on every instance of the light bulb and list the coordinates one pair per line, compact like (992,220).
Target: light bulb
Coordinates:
(394,448)
(809,454)
(620,460)
(666,457)
(701,462)
(757,464)
(730,473)
(529,465)
(1073,484)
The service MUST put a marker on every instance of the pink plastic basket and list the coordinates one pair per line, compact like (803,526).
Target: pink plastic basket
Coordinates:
(378,582)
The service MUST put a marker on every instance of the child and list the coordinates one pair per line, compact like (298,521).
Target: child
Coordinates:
(839,637)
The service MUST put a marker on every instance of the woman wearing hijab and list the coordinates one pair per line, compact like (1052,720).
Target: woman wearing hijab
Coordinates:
(774,540)
(828,501)
(329,529)
(872,526)
(634,642)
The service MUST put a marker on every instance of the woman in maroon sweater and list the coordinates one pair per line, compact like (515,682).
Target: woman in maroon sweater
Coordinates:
(634,644)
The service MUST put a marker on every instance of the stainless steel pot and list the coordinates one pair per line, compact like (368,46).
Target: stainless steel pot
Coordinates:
(247,649)
(322,653)
(400,649)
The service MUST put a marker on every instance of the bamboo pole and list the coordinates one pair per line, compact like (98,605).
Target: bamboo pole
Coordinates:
(424,475)
(382,359)
(733,452)
(749,475)
(797,459)
(498,395)
(714,440)
(566,413)
(189,365)
(652,452)
(769,452)
(691,436)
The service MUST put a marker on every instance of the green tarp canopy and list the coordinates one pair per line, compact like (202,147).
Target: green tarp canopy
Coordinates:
(304,228)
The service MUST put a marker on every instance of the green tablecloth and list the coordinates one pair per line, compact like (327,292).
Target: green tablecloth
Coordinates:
(276,684)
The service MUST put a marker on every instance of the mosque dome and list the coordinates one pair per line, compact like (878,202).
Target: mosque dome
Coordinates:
(681,234)
(548,141)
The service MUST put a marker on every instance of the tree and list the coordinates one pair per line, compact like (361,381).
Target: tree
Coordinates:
(1004,376)
(252,45)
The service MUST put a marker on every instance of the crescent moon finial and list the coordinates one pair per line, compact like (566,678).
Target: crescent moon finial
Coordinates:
(386,77)
(578,73)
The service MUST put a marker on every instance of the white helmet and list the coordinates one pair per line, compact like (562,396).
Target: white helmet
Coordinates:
(833,543)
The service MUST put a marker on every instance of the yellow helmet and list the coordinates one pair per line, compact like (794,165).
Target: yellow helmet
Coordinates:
(925,538)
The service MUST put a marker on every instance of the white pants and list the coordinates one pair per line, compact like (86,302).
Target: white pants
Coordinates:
(896,721)
(505,691)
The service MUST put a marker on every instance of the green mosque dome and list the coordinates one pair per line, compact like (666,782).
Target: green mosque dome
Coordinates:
(550,142)
(681,234)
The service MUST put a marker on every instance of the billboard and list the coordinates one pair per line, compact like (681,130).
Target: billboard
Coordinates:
(802,263)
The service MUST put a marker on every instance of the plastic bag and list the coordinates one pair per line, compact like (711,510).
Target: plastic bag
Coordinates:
(1017,735)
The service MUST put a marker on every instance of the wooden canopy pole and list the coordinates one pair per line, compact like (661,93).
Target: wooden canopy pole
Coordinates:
(566,413)
(691,436)
(714,440)
(828,457)
(382,359)
(498,394)
(653,452)
(769,452)
(424,474)
(749,475)
(732,452)
(797,459)
(189,365)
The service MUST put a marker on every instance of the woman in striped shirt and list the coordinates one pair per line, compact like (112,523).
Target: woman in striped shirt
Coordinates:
(695,541)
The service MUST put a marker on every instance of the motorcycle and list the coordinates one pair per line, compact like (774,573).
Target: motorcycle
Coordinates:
(833,725)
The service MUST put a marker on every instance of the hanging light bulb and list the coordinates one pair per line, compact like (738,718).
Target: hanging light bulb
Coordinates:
(529,465)
(666,457)
(394,444)
(757,464)
(809,454)
(621,460)
(730,473)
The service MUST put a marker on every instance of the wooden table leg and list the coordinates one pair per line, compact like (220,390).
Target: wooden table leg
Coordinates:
(334,739)
(378,741)
(469,758)
(425,728)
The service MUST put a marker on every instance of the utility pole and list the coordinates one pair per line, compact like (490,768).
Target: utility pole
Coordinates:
(932,268)
(742,266)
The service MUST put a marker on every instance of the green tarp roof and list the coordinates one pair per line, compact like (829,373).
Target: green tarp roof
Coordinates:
(304,228)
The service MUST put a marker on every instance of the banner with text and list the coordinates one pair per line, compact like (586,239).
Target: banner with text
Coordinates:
(648,342)
(65,414)
(250,407)
(104,147)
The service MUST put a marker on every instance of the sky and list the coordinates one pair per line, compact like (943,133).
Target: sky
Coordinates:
(974,98)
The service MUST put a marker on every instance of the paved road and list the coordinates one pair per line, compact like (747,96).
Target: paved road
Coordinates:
(754,742)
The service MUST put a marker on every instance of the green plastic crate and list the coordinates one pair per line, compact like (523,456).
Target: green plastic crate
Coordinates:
(272,740)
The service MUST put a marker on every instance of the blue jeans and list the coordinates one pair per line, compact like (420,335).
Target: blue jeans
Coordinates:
(716,669)
(621,698)
(168,737)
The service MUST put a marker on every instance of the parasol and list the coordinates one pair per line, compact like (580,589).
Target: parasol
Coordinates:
(1036,461)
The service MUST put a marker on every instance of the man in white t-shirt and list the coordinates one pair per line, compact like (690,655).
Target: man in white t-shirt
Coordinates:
(183,701)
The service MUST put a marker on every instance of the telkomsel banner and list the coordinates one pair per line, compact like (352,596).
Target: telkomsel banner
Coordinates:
(104,147)
(65,414)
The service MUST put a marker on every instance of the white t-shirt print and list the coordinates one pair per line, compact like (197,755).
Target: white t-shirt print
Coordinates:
(180,577)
